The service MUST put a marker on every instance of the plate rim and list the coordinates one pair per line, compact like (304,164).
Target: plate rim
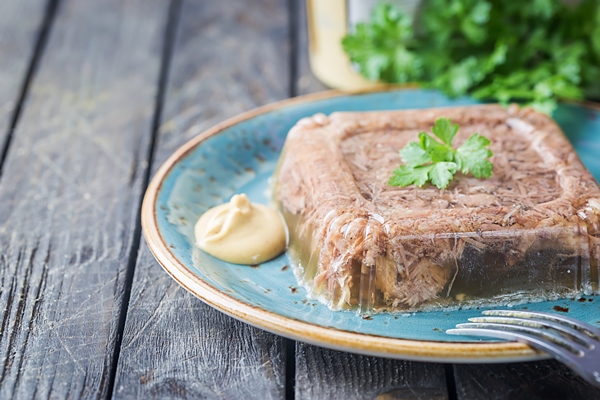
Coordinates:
(408,349)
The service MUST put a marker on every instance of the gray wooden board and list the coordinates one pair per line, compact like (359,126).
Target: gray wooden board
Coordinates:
(20,22)
(72,182)
(229,57)
(329,374)
(543,380)
(322,373)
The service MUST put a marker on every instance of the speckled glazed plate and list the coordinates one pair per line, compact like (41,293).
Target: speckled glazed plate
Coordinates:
(239,155)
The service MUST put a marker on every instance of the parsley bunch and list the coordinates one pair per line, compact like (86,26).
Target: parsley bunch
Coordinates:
(492,49)
(433,161)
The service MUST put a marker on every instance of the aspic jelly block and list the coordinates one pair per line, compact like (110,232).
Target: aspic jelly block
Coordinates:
(530,232)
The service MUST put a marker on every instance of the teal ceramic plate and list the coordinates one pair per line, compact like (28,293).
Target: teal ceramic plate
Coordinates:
(239,156)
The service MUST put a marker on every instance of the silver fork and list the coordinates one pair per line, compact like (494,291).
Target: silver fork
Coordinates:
(572,342)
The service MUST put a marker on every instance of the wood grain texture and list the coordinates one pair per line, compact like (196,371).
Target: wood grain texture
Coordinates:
(20,23)
(72,183)
(329,374)
(305,81)
(228,57)
(543,380)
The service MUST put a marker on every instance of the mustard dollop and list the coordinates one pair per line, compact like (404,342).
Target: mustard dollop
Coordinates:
(241,232)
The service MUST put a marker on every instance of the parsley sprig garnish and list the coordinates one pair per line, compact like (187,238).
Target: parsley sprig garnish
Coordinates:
(490,49)
(430,160)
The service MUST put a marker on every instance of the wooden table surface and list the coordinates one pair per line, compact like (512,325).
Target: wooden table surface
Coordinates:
(94,96)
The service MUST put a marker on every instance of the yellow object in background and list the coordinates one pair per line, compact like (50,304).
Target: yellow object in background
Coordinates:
(328,22)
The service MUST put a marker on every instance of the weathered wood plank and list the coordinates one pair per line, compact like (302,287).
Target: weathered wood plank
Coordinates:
(20,24)
(72,183)
(228,57)
(543,380)
(328,374)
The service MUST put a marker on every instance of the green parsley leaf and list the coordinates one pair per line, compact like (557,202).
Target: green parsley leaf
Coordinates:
(472,156)
(459,78)
(436,150)
(445,130)
(442,173)
(406,175)
(380,49)
(491,49)
(414,155)
(432,161)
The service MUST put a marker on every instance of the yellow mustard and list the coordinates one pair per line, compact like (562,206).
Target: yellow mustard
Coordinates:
(240,232)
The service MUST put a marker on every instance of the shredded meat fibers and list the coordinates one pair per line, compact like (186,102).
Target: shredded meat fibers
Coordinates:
(367,244)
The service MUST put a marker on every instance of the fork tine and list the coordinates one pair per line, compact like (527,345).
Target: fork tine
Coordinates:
(542,324)
(562,354)
(554,334)
(558,340)
(586,328)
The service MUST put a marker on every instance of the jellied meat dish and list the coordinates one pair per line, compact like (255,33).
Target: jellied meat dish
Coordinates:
(531,232)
